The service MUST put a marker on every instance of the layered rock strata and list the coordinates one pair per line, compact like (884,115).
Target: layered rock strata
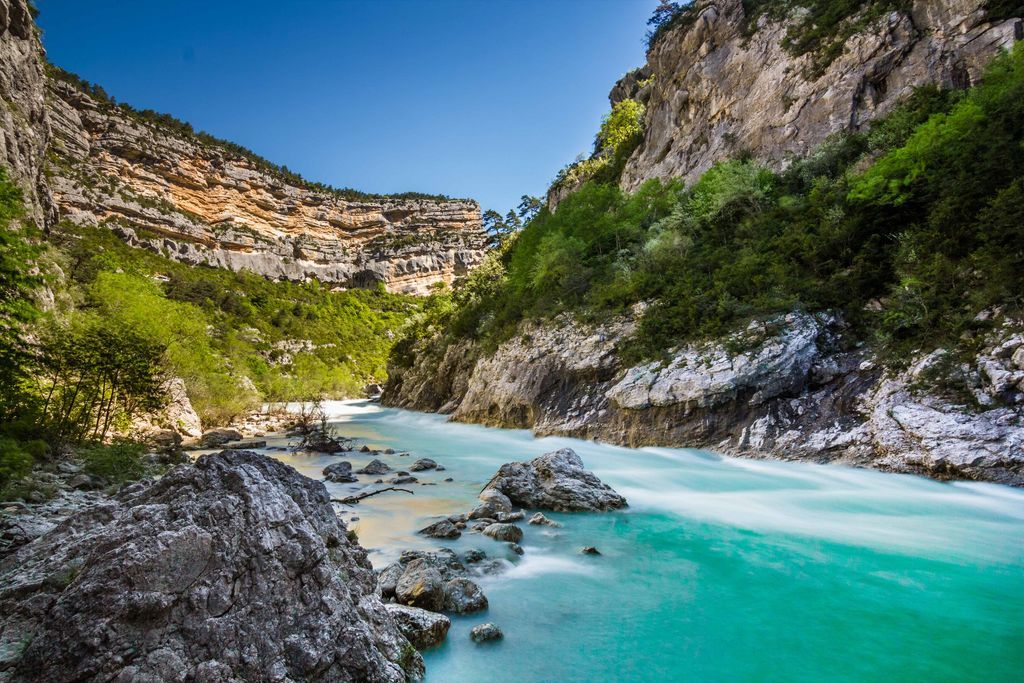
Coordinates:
(203,204)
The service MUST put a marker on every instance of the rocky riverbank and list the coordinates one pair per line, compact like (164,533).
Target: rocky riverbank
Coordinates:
(233,567)
(160,581)
(791,387)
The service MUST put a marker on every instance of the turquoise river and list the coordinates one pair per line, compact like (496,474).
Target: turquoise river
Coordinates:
(721,569)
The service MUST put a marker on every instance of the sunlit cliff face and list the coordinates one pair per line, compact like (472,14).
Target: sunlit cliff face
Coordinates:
(202,204)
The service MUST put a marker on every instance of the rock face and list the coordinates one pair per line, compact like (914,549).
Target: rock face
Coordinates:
(787,387)
(201,203)
(235,568)
(24,130)
(555,481)
(716,91)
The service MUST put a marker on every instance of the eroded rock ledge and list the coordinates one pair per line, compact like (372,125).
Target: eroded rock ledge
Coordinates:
(199,203)
(789,387)
(234,568)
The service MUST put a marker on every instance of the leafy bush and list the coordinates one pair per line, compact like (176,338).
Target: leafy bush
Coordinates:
(15,462)
(221,328)
(116,462)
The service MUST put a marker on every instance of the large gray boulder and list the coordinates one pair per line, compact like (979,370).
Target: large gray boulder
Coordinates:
(234,568)
(555,481)
(504,532)
(463,596)
(422,628)
(375,467)
(340,472)
(420,585)
(218,437)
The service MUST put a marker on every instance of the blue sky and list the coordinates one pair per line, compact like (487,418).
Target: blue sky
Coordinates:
(471,98)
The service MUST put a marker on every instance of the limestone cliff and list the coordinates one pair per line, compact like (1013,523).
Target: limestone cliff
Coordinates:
(203,203)
(715,87)
(24,132)
(791,387)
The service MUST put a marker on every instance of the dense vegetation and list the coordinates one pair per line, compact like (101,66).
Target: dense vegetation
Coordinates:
(123,321)
(911,229)
(176,126)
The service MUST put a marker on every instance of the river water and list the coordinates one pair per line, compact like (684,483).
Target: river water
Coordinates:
(721,569)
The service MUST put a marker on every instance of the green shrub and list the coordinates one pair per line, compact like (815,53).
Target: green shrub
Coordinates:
(16,461)
(116,462)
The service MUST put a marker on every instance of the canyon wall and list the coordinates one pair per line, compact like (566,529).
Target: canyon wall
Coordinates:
(201,203)
(24,132)
(714,90)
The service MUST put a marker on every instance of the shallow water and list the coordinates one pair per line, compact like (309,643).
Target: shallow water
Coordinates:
(720,570)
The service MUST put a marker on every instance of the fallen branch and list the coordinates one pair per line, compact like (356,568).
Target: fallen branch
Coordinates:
(352,500)
(8,503)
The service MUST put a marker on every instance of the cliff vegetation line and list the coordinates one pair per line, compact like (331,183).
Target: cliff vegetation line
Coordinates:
(910,228)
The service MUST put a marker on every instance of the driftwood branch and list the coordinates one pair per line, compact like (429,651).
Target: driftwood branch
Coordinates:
(352,500)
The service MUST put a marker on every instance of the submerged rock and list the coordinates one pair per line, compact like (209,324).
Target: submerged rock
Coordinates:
(433,577)
(374,467)
(504,532)
(463,596)
(442,529)
(218,437)
(340,472)
(424,629)
(423,464)
(590,550)
(222,570)
(555,481)
(539,518)
(485,632)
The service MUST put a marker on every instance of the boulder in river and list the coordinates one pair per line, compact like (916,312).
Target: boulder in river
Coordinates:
(485,632)
(442,529)
(374,467)
(590,550)
(424,629)
(220,570)
(463,596)
(218,437)
(423,464)
(504,532)
(540,519)
(420,585)
(555,481)
(340,472)
(492,503)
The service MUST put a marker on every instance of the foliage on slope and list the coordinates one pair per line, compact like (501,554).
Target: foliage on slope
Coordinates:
(911,229)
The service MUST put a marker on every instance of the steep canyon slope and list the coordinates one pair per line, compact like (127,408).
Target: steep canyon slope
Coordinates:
(783,380)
